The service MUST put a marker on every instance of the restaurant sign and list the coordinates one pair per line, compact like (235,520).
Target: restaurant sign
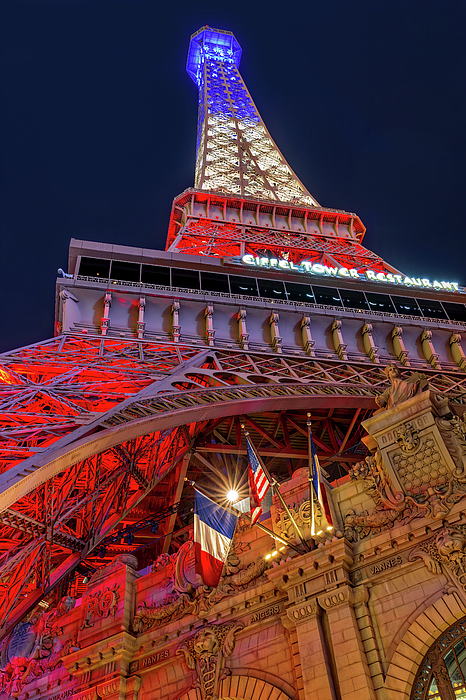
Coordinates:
(308,267)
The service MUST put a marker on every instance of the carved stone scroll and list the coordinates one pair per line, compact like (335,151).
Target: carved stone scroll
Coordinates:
(338,344)
(243,335)
(428,349)
(141,323)
(275,333)
(105,321)
(308,343)
(209,325)
(398,346)
(176,328)
(456,350)
(370,347)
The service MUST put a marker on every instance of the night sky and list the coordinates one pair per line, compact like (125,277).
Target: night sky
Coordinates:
(365,99)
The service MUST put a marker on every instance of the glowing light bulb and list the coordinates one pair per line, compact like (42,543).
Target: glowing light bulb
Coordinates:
(232,496)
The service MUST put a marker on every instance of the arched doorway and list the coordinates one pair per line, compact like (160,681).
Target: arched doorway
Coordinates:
(442,673)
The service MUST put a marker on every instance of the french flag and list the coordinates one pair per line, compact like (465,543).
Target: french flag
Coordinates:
(214,528)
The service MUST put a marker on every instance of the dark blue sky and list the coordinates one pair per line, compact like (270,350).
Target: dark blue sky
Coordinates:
(366,100)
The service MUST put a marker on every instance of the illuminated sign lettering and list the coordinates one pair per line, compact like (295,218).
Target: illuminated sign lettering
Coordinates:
(306,266)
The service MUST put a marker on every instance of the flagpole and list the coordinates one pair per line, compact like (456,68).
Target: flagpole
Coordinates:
(318,492)
(275,537)
(273,482)
(312,493)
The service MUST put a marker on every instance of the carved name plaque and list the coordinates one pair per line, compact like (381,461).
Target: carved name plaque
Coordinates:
(386,565)
(264,614)
(383,566)
(66,694)
(148,661)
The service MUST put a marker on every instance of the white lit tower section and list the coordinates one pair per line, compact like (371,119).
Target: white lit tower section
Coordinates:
(235,152)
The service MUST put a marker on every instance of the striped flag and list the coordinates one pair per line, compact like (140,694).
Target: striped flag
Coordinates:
(319,488)
(258,483)
(214,528)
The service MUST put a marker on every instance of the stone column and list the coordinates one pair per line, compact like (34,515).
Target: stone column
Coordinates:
(316,669)
(350,658)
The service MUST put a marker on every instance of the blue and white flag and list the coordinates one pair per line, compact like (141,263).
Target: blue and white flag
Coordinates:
(214,528)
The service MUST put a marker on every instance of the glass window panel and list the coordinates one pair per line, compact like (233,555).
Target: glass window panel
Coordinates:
(243,285)
(353,299)
(94,267)
(431,308)
(327,295)
(460,651)
(272,289)
(300,292)
(130,272)
(407,306)
(452,668)
(433,690)
(380,302)
(188,279)
(153,274)
(457,312)
(214,282)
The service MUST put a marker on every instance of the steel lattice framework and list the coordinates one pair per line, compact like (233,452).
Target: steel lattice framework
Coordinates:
(92,427)
(205,237)
(235,152)
(98,433)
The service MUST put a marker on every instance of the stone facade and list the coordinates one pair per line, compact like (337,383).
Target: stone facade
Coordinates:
(351,619)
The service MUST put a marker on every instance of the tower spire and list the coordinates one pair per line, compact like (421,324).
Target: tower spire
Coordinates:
(235,152)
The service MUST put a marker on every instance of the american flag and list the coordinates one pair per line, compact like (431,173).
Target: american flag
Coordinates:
(258,483)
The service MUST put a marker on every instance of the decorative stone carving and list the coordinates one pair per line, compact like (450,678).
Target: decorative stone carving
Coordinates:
(446,552)
(308,343)
(457,351)
(301,514)
(209,325)
(407,437)
(176,328)
(428,349)
(34,648)
(370,347)
(428,484)
(206,653)
(304,611)
(275,332)
(398,346)
(338,344)
(105,321)
(141,324)
(400,389)
(99,605)
(243,335)
(186,593)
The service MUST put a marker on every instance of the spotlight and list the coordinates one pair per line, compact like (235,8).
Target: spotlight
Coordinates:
(85,580)
(232,495)
(330,527)
(102,552)
(129,538)
(154,526)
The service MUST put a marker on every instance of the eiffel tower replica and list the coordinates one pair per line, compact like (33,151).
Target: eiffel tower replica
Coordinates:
(263,306)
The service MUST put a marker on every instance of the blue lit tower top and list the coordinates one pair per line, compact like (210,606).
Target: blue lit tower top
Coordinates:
(235,152)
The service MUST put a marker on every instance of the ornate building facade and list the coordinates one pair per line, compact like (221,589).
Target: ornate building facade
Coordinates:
(264,307)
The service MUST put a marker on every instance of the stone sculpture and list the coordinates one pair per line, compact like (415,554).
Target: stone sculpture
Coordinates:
(188,593)
(400,390)
(206,652)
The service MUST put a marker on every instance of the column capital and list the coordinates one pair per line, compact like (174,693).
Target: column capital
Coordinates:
(345,595)
(302,612)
